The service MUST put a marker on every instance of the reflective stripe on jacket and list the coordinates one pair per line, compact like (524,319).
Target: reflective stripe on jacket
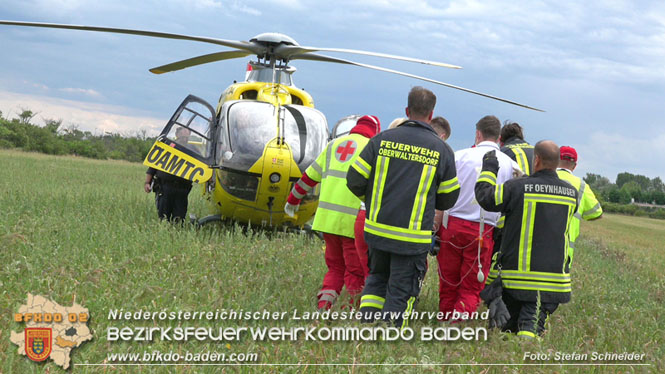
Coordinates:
(403,174)
(533,255)
(521,152)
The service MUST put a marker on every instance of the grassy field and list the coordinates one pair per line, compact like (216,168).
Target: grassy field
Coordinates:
(73,228)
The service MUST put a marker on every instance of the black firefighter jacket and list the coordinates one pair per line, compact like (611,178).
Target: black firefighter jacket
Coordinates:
(521,152)
(403,174)
(533,256)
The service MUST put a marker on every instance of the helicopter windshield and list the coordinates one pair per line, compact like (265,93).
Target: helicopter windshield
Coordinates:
(306,132)
(250,125)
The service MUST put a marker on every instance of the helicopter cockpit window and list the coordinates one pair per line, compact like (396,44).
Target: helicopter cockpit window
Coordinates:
(192,129)
(251,125)
(344,125)
(265,75)
(306,132)
(223,137)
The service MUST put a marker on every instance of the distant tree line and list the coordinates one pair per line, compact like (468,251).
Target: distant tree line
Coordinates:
(629,188)
(55,139)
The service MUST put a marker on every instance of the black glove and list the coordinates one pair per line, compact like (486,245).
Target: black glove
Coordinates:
(499,314)
(436,246)
(491,295)
(492,291)
(490,162)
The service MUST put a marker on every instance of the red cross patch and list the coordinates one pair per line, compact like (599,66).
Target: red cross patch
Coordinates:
(345,150)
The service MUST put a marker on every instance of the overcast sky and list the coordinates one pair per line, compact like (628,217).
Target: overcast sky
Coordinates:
(596,67)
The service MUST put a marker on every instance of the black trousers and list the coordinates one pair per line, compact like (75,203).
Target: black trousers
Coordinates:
(393,286)
(497,236)
(526,318)
(172,201)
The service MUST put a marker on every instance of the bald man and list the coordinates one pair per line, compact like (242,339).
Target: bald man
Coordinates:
(532,265)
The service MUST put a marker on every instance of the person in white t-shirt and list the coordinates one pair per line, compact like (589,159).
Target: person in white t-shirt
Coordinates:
(462,247)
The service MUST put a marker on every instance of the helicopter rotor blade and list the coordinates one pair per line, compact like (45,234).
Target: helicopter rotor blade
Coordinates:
(253,48)
(316,57)
(284,52)
(292,51)
(198,60)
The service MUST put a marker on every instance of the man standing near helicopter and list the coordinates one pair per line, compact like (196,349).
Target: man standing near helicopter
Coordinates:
(403,175)
(336,214)
(171,191)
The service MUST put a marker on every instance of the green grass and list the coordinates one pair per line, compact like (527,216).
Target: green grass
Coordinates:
(84,229)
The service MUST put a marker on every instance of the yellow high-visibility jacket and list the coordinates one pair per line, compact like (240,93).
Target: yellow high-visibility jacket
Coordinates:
(338,206)
(588,208)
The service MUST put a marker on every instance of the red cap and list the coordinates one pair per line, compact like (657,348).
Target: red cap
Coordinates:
(568,153)
(367,126)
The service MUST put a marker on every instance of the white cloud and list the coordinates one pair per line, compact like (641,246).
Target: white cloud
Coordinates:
(242,7)
(291,4)
(82,91)
(61,5)
(205,3)
(39,86)
(86,116)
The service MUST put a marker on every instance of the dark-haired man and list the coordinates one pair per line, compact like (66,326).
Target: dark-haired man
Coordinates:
(441,126)
(533,258)
(402,174)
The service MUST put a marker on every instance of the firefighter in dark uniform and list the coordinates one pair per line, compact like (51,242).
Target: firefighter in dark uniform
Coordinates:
(533,262)
(403,174)
(171,191)
(514,145)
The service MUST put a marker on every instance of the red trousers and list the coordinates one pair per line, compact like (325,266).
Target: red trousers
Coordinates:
(344,269)
(459,288)
(361,246)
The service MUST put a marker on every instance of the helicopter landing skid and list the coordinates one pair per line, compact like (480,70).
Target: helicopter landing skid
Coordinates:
(305,229)
(207,219)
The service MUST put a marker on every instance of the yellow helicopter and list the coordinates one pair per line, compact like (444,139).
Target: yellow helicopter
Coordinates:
(251,149)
